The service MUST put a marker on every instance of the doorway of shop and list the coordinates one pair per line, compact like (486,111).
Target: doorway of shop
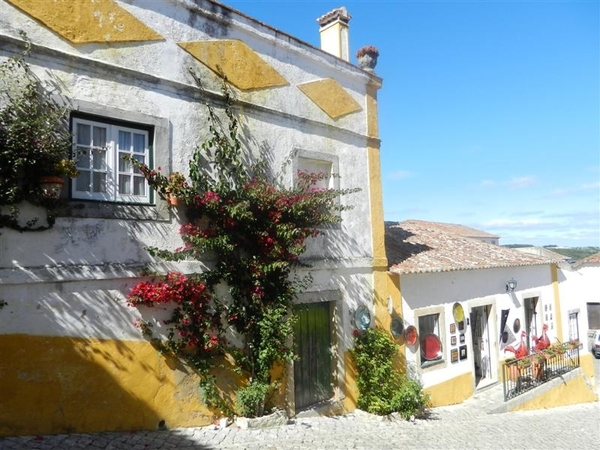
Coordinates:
(484,359)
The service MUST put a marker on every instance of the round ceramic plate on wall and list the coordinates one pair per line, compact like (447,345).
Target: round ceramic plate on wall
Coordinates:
(458,312)
(431,347)
(411,335)
(361,318)
(516,325)
(397,327)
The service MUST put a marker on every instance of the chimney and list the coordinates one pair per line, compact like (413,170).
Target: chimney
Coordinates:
(334,33)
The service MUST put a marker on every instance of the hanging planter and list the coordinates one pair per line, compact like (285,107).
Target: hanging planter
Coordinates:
(51,187)
(367,57)
(173,200)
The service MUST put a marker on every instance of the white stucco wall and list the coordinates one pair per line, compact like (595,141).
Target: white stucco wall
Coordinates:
(437,292)
(578,287)
(71,280)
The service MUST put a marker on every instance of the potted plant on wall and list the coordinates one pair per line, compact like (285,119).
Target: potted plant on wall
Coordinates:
(35,139)
(367,57)
(175,187)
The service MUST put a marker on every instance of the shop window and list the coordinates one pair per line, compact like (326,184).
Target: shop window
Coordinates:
(431,347)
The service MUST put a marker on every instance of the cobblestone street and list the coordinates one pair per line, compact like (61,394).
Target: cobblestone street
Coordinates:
(455,427)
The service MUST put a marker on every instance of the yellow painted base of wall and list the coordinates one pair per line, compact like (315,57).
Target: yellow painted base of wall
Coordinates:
(571,392)
(350,389)
(451,392)
(52,385)
(586,362)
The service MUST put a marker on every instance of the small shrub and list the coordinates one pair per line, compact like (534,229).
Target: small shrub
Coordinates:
(251,399)
(382,389)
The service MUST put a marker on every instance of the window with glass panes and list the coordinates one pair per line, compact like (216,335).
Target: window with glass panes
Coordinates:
(318,167)
(103,173)
(431,340)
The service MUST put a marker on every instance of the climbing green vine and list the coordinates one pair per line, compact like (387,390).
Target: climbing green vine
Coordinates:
(382,389)
(254,231)
(35,140)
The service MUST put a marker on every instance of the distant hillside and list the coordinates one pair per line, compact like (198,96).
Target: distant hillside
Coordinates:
(575,253)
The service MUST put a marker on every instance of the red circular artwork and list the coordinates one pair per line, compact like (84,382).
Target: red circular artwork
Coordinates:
(411,336)
(430,346)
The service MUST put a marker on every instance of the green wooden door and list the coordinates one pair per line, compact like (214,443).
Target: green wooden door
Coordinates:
(312,369)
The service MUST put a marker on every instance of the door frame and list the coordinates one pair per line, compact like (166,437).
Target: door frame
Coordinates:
(492,331)
(335,299)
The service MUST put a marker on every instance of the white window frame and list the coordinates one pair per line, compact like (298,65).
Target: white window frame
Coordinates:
(574,325)
(424,365)
(112,166)
(312,165)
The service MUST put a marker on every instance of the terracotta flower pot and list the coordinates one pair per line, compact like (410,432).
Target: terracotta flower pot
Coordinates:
(51,187)
(173,200)
(368,61)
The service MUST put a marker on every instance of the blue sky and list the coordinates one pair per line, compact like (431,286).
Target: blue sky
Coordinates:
(489,111)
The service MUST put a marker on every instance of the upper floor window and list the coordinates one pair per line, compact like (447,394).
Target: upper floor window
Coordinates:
(322,168)
(104,174)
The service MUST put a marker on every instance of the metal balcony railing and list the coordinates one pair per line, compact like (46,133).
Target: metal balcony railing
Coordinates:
(524,374)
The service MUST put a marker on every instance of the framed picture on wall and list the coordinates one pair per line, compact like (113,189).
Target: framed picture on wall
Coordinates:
(462,338)
(454,355)
(463,352)
(453,340)
(452,328)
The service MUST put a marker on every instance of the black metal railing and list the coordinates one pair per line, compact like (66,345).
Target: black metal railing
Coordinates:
(524,374)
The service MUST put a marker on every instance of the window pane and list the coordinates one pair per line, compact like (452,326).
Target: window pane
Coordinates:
(139,186)
(83,158)
(141,159)
(82,134)
(82,182)
(124,184)
(99,180)
(139,143)
(124,165)
(99,159)
(99,137)
(429,334)
(124,140)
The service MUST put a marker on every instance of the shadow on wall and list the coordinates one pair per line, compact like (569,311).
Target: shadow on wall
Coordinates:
(54,385)
(72,360)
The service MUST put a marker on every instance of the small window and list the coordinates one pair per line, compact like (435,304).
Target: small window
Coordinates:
(573,326)
(431,341)
(103,173)
(318,167)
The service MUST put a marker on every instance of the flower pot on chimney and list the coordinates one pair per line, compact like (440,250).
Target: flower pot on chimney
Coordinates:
(367,57)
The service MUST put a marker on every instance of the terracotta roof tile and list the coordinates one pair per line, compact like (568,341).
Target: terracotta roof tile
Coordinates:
(542,251)
(416,246)
(460,230)
(592,259)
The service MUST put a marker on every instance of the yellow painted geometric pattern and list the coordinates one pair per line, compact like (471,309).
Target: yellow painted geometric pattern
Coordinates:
(85,21)
(328,95)
(238,62)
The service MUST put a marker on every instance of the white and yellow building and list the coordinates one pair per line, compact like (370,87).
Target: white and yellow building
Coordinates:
(470,301)
(70,358)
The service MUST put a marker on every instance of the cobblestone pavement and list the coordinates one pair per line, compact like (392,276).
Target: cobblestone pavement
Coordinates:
(453,427)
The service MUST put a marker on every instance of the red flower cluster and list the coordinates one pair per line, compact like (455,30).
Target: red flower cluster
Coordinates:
(195,320)
(176,288)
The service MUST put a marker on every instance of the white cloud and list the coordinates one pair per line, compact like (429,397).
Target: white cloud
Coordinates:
(521,182)
(561,192)
(517,224)
(567,228)
(399,174)
(589,186)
